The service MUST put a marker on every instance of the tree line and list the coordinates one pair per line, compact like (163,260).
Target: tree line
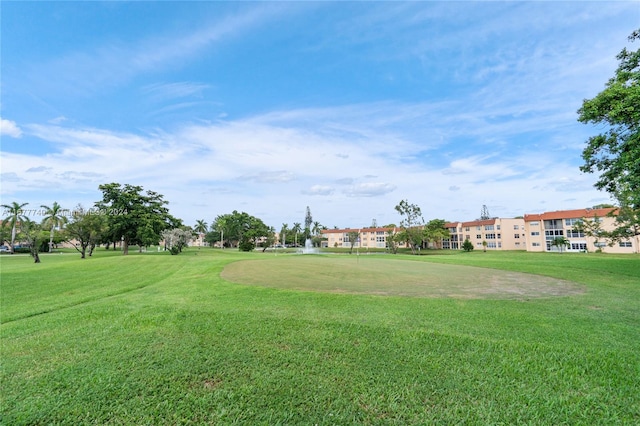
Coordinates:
(126,215)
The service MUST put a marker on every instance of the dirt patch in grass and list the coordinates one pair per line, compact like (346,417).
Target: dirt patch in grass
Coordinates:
(394,277)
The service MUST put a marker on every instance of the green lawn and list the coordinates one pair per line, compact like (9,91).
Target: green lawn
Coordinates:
(158,339)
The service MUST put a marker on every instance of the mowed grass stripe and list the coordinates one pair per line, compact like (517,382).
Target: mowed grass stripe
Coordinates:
(62,281)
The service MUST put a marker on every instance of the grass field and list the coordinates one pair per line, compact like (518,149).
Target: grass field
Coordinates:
(158,339)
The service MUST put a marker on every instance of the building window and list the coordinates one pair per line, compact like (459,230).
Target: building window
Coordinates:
(578,246)
(478,236)
(499,236)
(491,245)
(488,227)
(380,239)
(534,223)
(625,244)
(478,228)
(572,233)
(491,236)
(466,229)
(535,233)
(535,244)
(571,222)
(515,227)
(516,235)
(553,224)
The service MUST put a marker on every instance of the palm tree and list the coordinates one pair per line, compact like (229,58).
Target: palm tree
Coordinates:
(297,227)
(317,228)
(53,217)
(200,229)
(560,242)
(201,226)
(15,215)
(283,232)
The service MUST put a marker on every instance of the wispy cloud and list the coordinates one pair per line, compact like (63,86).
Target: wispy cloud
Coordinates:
(116,62)
(322,190)
(164,91)
(279,176)
(369,189)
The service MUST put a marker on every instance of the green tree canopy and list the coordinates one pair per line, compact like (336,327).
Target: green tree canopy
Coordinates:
(243,229)
(435,231)
(412,224)
(615,153)
(31,233)
(87,229)
(137,217)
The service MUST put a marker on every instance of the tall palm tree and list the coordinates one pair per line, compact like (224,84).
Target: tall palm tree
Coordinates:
(200,229)
(317,228)
(297,227)
(15,215)
(283,232)
(201,226)
(53,218)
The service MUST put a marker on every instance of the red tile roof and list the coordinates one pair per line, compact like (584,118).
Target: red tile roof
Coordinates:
(569,214)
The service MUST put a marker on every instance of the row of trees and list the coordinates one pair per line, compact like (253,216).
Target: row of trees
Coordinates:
(126,214)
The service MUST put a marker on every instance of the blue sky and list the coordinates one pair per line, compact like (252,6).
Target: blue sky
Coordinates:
(269,107)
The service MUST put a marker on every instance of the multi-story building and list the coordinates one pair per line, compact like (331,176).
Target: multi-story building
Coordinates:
(542,229)
(534,232)
(497,233)
(367,237)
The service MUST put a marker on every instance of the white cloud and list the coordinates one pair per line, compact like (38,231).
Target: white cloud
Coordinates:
(280,176)
(9,128)
(323,190)
(369,189)
(218,165)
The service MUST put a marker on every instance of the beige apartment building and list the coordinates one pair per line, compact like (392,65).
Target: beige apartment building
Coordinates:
(368,238)
(543,228)
(498,233)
